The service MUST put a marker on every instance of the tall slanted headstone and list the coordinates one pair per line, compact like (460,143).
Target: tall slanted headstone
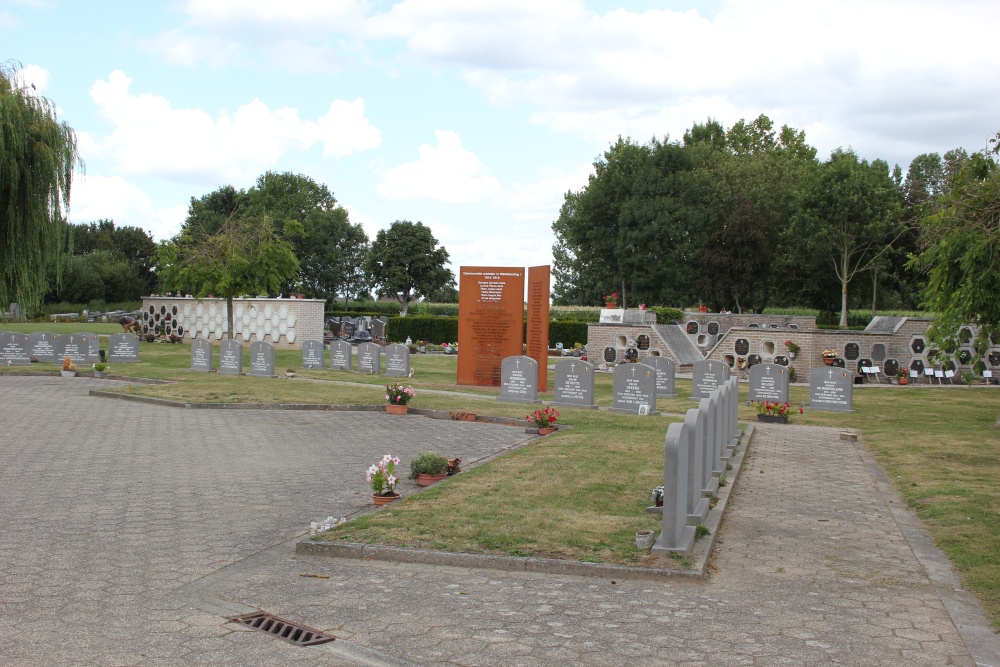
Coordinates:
(201,355)
(370,358)
(666,373)
(41,345)
(832,389)
(261,359)
(230,357)
(706,377)
(574,384)
(340,355)
(634,389)
(312,354)
(519,380)
(397,360)
(123,348)
(15,348)
(769,382)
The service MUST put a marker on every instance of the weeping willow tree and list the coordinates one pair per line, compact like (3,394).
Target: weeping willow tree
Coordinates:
(37,158)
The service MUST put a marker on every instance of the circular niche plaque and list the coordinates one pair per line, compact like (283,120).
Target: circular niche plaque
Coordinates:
(631,355)
(610,354)
(713,328)
(156,318)
(917,345)
(145,328)
(852,351)
(917,365)
(152,309)
(865,363)
(742,346)
(994,358)
(781,360)
(878,351)
(964,357)
(692,327)
(163,309)
(642,342)
(174,310)
(891,367)
(753,360)
(180,331)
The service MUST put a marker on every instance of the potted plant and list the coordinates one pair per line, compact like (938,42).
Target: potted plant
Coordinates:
(68,368)
(428,467)
(829,357)
(773,412)
(658,496)
(99,369)
(382,478)
(903,376)
(459,415)
(397,397)
(793,349)
(611,300)
(544,420)
(453,466)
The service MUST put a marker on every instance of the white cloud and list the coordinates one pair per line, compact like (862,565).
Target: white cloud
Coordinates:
(191,50)
(151,137)
(290,16)
(112,197)
(446,173)
(541,200)
(33,75)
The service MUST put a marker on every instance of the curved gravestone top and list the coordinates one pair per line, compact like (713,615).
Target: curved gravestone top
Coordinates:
(312,354)
(665,375)
(397,360)
(634,389)
(574,384)
(769,382)
(519,380)
(707,376)
(340,355)
(370,358)
(261,359)
(832,389)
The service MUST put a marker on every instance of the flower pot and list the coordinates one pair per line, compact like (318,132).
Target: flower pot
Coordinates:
(545,430)
(829,360)
(611,304)
(791,355)
(904,380)
(644,539)
(68,374)
(100,374)
(773,419)
(426,480)
(384,500)
(466,418)
(396,409)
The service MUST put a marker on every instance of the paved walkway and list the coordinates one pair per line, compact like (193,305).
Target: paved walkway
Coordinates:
(129,532)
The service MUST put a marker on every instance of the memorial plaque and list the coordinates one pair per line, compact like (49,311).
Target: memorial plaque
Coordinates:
(261,359)
(15,348)
(891,367)
(665,375)
(611,316)
(490,322)
(706,377)
(713,328)
(917,366)
(610,355)
(994,358)
(397,360)
(642,342)
(852,351)
(41,346)
(781,360)
(769,382)
(123,348)
(340,355)
(831,389)
(312,354)
(538,322)
(74,346)
(753,325)
(742,346)
(878,352)
(634,389)
(369,358)
(865,363)
(574,384)
(692,327)
(518,380)
(230,357)
(753,359)
(964,357)
(201,355)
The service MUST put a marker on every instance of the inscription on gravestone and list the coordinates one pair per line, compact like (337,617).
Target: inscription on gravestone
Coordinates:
(340,355)
(41,345)
(742,346)
(642,342)
(397,360)
(123,348)
(706,377)
(692,327)
(634,389)
(519,380)
(15,348)
(312,354)
(574,383)
(369,358)
(74,346)
(831,389)
(201,355)
(852,351)
(490,322)
(610,354)
(666,373)
(261,359)
(769,382)
(230,357)
(713,328)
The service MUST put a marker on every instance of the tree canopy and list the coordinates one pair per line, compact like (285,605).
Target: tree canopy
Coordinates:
(405,263)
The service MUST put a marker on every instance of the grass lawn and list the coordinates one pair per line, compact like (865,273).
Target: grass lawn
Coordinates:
(580,493)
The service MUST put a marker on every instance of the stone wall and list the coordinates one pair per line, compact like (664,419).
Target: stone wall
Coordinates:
(619,337)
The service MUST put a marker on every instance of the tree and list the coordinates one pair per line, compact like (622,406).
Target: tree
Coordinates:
(37,157)
(405,263)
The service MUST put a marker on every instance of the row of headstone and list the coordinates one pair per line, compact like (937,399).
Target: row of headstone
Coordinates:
(397,357)
(81,348)
(696,453)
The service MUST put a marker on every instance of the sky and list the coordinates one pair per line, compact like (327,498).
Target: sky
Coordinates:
(475,117)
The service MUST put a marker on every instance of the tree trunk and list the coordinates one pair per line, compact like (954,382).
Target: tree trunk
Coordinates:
(874,290)
(405,300)
(229,314)
(843,293)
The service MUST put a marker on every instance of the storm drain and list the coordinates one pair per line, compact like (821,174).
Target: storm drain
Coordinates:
(279,627)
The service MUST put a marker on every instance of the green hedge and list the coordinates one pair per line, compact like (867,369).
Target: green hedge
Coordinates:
(441,329)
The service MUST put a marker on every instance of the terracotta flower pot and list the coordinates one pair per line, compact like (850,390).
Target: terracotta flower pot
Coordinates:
(545,430)
(904,380)
(396,409)
(384,500)
(426,480)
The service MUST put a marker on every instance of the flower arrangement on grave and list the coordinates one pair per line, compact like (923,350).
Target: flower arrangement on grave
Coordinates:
(382,476)
(658,496)
(773,408)
(829,354)
(100,367)
(543,418)
(792,347)
(397,394)
(68,365)
(611,300)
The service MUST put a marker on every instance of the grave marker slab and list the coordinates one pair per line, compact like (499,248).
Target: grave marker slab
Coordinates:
(574,384)
(831,389)
(231,357)
(397,360)
(666,373)
(74,346)
(312,354)
(769,382)
(706,377)
(340,355)
(261,359)
(634,389)
(15,348)
(201,355)
(123,348)
(41,345)
(369,358)
(519,380)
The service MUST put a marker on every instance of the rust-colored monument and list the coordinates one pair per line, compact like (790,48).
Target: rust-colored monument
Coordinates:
(538,321)
(490,321)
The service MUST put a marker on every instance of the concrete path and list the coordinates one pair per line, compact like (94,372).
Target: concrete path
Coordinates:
(129,533)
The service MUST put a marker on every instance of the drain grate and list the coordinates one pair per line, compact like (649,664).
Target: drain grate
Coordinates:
(279,627)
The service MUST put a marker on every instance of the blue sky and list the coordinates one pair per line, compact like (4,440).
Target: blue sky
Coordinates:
(476,117)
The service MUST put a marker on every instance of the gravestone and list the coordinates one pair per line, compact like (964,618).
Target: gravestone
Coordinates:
(769,382)
(312,354)
(665,375)
(123,348)
(41,346)
(201,355)
(634,389)
(706,377)
(15,348)
(519,380)
(261,359)
(74,346)
(93,347)
(574,384)
(369,358)
(397,360)
(230,357)
(831,389)
(340,355)
(378,327)
(347,327)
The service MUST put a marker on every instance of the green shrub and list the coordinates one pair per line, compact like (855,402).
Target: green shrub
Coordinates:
(428,463)
(423,327)
(567,333)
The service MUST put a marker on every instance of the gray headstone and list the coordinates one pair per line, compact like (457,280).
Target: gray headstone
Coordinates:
(93,347)
(340,355)
(201,355)
(519,380)
(397,360)
(312,354)
(123,348)
(769,382)
(666,374)
(74,346)
(15,348)
(41,346)
(634,387)
(574,383)
(230,357)
(831,388)
(378,327)
(347,327)
(706,377)
(261,359)
(369,358)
